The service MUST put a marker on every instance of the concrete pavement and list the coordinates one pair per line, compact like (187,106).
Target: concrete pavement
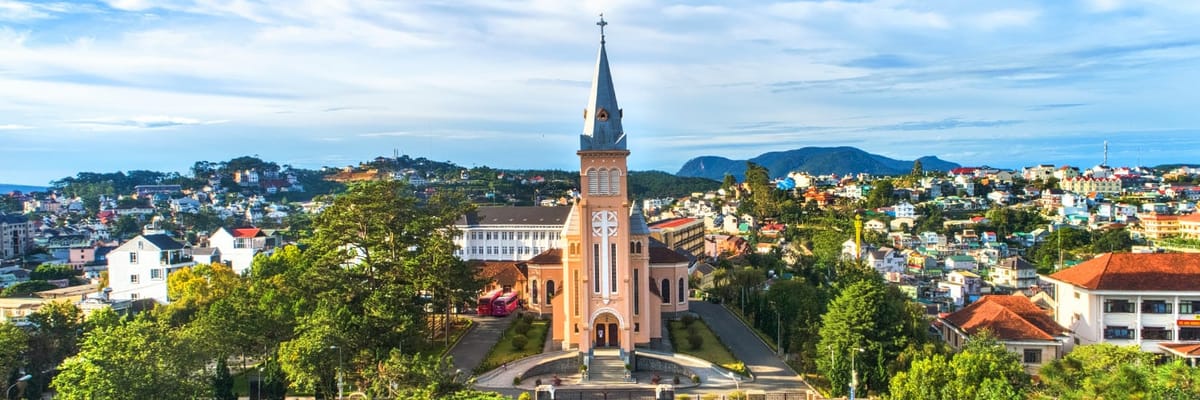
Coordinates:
(485,331)
(770,372)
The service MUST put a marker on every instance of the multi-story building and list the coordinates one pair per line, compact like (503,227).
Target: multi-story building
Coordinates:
(237,247)
(509,233)
(1130,299)
(16,235)
(685,234)
(1014,321)
(1088,184)
(1158,226)
(1189,226)
(1014,272)
(138,268)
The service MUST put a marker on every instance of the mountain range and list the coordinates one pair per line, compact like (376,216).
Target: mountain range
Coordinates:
(814,160)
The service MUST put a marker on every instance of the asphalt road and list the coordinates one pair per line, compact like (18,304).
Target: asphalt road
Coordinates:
(770,372)
(470,351)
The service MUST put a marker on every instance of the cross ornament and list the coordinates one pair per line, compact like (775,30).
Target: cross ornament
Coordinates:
(604,223)
(601,24)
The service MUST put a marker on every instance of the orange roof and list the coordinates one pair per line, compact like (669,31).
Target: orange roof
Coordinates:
(505,273)
(1007,317)
(548,257)
(1193,217)
(1129,271)
(1189,350)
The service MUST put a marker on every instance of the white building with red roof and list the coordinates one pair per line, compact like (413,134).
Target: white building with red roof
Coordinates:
(1145,300)
(238,246)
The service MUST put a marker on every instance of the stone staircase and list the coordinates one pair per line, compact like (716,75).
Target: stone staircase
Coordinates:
(606,367)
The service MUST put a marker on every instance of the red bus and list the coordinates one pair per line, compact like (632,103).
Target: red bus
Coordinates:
(505,304)
(485,302)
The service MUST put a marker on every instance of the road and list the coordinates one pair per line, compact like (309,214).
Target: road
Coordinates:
(470,351)
(770,372)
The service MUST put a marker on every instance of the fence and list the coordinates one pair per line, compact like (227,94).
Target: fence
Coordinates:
(632,394)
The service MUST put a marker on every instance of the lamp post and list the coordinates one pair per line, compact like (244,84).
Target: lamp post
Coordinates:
(8,392)
(854,372)
(339,374)
(778,329)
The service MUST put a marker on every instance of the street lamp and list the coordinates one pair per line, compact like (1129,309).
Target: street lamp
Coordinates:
(339,375)
(854,372)
(778,329)
(8,392)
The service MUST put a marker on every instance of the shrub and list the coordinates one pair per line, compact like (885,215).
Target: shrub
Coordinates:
(692,329)
(709,396)
(695,378)
(527,318)
(628,367)
(695,341)
(516,380)
(582,368)
(519,342)
(736,395)
(525,396)
(537,382)
(683,396)
(688,319)
(522,327)
(675,380)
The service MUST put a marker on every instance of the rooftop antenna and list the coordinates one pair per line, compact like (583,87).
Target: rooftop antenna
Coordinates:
(1105,163)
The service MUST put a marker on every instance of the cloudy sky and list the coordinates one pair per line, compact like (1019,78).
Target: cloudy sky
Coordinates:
(158,84)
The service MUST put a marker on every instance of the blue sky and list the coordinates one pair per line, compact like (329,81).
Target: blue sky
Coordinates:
(139,84)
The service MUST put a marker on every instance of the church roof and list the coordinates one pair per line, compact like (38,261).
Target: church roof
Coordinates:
(602,118)
(506,273)
(548,257)
(637,221)
(661,254)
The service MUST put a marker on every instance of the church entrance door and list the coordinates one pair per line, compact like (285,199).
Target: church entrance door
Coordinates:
(612,336)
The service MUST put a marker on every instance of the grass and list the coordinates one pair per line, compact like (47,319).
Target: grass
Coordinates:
(503,352)
(712,349)
(457,330)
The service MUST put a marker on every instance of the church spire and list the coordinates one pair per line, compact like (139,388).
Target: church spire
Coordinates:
(602,118)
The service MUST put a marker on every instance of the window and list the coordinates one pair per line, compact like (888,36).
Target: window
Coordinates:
(577,300)
(156,274)
(1156,333)
(615,181)
(1118,332)
(604,184)
(636,293)
(1033,356)
(593,181)
(666,291)
(612,267)
(133,257)
(133,296)
(596,268)
(1189,306)
(535,291)
(680,289)
(1189,334)
(1156,307)
(637,327)
(133,278)
(549,291)
(1117,306)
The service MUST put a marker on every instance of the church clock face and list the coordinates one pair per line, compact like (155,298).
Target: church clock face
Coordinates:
(604,223)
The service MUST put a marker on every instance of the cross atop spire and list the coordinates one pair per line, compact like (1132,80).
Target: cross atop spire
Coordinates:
(601,24)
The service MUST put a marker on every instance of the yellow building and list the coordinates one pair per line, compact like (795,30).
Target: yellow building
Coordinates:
(1159,226)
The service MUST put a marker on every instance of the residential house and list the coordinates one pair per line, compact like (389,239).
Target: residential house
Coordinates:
(966,263)
(1088,184)
(875,225)
(1015,322)
(902,224)
(138,268)
(1143,299)
(1189,226)
(1014,272)
(1156,226)
(887,260)
(961,286)
(905,209)
(725,246)
(686,234)
(239,246)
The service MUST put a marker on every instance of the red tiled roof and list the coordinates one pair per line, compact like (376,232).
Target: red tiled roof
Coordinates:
(672,223)
(1007,317)
(548,257)
(1129,271)
(1193,217)
(505,273)
(663,255)
(1188,349)
(247,232)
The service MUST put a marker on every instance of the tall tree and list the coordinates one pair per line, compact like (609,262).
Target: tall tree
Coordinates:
(917,169)
(14,343)
(138,359)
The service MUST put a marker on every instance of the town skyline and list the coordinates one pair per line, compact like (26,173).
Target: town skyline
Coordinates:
(121,85)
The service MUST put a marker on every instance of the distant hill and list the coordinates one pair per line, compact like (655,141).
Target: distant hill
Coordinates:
(6,188)
(814,160)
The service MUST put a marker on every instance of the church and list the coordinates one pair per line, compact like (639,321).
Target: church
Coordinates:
(607,285)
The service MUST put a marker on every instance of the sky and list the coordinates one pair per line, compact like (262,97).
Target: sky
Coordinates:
(114,85)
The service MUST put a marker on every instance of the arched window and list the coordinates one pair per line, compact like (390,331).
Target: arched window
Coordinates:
(535,292)
(614,180)
(549,291)
(666,291)
(593,181)
(681,289)
(605,189)
(638,245)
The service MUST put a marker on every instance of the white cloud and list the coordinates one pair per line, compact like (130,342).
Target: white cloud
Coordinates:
(141,122)
(1006,19)
(13,127)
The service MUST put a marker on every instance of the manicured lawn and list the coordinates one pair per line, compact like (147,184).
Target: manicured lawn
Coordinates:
(503,352)
(711,349)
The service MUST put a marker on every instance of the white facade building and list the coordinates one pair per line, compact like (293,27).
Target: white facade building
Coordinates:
(138,268)
(509,233)
(1130,299)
